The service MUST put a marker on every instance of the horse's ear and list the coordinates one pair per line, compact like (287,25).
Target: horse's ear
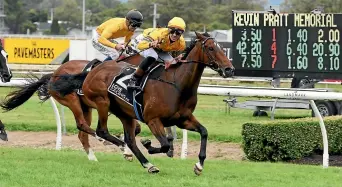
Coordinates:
(199,36)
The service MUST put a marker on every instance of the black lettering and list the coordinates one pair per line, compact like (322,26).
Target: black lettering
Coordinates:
(39,52)
(48,52)
(53,54)
(31,53)
(45,52)
(15,52)
(18,52)
(24,52)
(34,54)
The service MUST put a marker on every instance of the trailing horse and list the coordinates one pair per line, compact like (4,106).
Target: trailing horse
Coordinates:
(73,100)
(167,97)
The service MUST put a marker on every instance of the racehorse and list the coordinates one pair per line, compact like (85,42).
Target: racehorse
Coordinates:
(73,100)
(169,97)
(5,76)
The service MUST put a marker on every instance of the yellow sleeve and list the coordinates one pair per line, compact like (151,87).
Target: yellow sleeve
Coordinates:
(106,34)
(144,44)
(128,37)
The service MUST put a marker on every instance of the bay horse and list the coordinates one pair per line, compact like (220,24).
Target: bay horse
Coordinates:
(81,112)
(168,99)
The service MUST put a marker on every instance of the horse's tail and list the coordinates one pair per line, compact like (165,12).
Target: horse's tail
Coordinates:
(18,97)
(67,84)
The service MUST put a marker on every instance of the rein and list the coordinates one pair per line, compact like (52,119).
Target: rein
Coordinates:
(212,64)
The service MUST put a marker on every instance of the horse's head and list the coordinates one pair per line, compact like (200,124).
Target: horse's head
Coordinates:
(213,56)
(5,72)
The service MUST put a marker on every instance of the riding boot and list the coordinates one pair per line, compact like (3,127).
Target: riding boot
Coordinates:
(134,82)
(139,73)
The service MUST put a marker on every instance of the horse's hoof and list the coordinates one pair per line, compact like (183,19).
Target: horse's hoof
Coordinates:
(129,157)
(146,143)
(107,143)
(198,169)
(153,169)
(170,153)
(3,137)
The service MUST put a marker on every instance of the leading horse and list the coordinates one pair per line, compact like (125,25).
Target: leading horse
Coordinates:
(168,99)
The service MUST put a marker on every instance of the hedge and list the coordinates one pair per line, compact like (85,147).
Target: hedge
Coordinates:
(290,139)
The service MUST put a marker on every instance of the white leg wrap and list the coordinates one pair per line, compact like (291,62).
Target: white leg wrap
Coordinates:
(91,155)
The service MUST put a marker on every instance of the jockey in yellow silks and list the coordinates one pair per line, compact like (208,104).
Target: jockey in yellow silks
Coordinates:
(116,28)
(155,43)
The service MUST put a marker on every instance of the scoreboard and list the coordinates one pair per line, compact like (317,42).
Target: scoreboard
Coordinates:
(287,45)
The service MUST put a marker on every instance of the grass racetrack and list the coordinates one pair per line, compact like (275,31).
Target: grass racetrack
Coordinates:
(26,166)
(41,167)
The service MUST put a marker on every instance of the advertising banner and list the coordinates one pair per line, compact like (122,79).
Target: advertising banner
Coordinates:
(36,50)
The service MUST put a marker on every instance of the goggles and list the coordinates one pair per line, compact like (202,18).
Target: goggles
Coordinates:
(135,24)
(176,31)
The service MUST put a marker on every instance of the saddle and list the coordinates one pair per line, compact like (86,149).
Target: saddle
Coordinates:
(118,86)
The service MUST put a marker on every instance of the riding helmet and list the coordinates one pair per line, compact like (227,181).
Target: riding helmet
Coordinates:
(134,16)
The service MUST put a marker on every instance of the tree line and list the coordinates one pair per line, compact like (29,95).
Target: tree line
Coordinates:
(22,15)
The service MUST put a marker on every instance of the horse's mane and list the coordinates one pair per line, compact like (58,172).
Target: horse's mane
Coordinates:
(192,45)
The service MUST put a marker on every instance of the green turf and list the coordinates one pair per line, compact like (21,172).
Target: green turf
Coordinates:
(40,167)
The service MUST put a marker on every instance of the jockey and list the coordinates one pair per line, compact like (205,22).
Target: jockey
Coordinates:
(116,28)
(157,42)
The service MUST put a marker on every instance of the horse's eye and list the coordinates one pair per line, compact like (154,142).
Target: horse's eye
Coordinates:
(211,49)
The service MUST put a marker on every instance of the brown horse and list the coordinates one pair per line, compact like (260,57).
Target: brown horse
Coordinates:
(169,99)
(82,112)
(73,101)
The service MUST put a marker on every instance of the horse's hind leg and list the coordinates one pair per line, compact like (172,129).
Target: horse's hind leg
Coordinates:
(128,155)
(102,105)
(129,130)
(84,137)
(82,118)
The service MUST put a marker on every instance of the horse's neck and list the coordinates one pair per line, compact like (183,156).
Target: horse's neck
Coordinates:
(190,74)
(134,60)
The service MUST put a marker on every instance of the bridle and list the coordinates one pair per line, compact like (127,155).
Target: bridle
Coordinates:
(212,62)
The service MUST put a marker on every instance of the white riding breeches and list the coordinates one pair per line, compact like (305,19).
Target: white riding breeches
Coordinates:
(162,55)
(107,51)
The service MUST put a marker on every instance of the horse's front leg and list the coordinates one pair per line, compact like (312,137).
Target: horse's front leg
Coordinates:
(157,129)
(193,125)
(129,136)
